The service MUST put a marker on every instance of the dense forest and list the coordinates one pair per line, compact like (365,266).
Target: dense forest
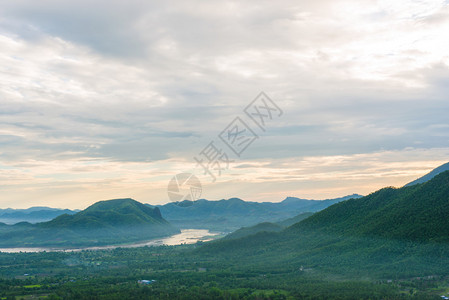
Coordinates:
(181,273)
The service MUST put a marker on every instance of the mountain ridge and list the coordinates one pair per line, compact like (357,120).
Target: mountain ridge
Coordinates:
(234,213)
(415,212)
(430,175)
(389,232)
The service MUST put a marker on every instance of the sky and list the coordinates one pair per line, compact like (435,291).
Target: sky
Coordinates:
(111,99)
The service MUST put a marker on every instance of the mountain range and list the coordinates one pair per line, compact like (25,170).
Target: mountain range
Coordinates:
(126,220)
(391,244)
(391,231)
(223,215)
(416,212)
(32,215)
(105,222)
(229,215)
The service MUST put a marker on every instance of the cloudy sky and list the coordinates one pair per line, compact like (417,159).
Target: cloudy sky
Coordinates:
(110,99)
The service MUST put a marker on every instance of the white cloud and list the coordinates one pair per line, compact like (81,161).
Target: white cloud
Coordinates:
(126,86)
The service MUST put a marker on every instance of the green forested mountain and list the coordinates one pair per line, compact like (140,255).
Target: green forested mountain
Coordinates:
(105,222)
(418,212)
(290,221)
(261,227)
(267,227)
(390,233)
(103,214)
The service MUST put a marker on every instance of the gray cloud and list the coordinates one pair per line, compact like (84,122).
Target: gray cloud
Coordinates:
(155,82)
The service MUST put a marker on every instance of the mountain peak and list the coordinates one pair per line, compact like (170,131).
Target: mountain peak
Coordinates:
(235,199)
(292,199)
(116,212)
(106,204)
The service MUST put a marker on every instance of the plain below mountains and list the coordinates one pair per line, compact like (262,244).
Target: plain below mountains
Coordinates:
(105,222)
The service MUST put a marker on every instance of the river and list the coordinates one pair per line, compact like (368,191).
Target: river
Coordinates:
(187,236)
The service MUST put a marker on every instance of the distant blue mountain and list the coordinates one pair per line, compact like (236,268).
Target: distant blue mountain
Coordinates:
(430,175)
(32,215)
(234,213)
